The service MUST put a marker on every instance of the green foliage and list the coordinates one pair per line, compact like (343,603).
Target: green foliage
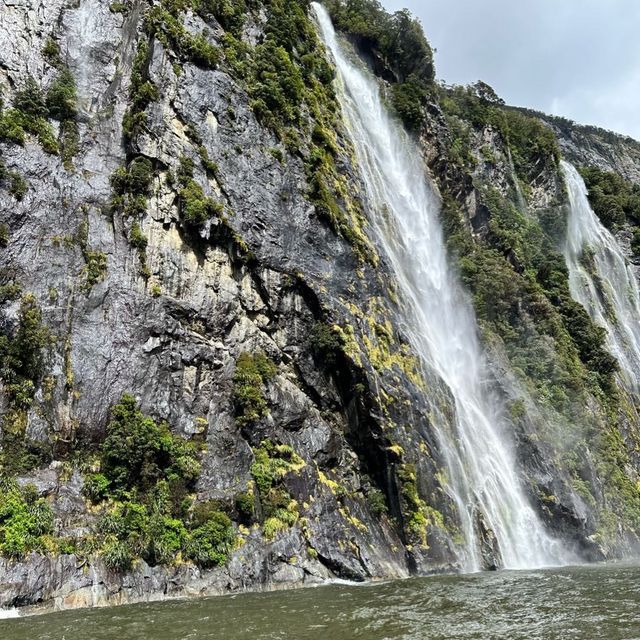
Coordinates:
(21,354)
(137,239)
(62,97)
(31,110)
(142,92)
(15,184)
(532,144)
(408,100)
(95,268)
(51,52)
(614,200)
(397,37)
(11,127)
(131,188)
(209,544)
(289,81)
(25,520)
(120,7)
(138,180)
(165,23)
(325,343)
(4,235)
(15,124)
(398,41)
(279,88)
(229,13)
(96,487)
(138,452)
(377,502)
(418,515)
(195,206)
(146,474)
(252,372)
(245,506)
(272,464)
(117,555)
(69,142)
(30,101)
(518,271)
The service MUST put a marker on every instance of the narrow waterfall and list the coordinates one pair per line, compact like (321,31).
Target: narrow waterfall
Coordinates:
(482,478)
(602,280)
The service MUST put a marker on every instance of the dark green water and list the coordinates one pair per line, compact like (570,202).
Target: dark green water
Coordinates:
(590,603)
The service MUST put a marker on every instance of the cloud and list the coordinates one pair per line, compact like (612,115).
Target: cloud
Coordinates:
(576,58)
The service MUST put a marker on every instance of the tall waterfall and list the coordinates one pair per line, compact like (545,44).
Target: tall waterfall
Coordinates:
(601,279)
(481,469)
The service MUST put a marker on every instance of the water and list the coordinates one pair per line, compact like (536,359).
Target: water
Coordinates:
(601,279)
(561,604)
(481,470)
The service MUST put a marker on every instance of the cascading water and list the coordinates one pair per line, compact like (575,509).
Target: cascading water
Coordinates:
(482,478)
(602,281)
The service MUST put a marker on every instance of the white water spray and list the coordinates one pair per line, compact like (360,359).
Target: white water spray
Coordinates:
(602,281)
(439,321)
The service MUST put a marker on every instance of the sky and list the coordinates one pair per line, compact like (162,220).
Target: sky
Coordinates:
(575,58)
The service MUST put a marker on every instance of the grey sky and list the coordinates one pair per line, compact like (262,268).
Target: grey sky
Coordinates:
(576,58)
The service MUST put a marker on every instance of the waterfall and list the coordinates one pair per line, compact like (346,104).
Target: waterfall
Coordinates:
(602,281)
(404,215)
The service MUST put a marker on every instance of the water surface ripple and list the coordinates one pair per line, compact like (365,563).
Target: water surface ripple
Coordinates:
(586,603)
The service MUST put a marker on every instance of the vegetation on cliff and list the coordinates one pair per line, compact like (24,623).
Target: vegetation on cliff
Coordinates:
(508,253)
(141,481)
(615,201)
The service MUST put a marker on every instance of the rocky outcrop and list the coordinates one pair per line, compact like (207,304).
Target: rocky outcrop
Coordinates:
(259,279)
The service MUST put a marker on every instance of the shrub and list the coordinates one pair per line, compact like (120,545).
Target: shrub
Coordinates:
(18,186)
(377,502)
(229,13)
(120,7)
(95,268)
(62,97)
(272,463)
(11,129)
(96,487)
(245,506)
(196,207)
(51,52)
(15,124)
(252,372)
(25,519)
(325,343)
(614,200)
(164,22)
(69,142)
(30,100)
(408,100)
(21,355)
(117,556)
(138,452)
(139,176)
(209,544)
(137,239)
(4,235)
(397,37)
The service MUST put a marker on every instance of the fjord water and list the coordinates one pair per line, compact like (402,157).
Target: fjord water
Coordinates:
(602,280)
(438,319)
(578,603)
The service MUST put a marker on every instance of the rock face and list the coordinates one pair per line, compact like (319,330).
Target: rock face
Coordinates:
(168,322)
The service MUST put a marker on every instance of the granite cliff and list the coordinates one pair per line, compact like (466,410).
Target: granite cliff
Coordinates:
(185,252)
